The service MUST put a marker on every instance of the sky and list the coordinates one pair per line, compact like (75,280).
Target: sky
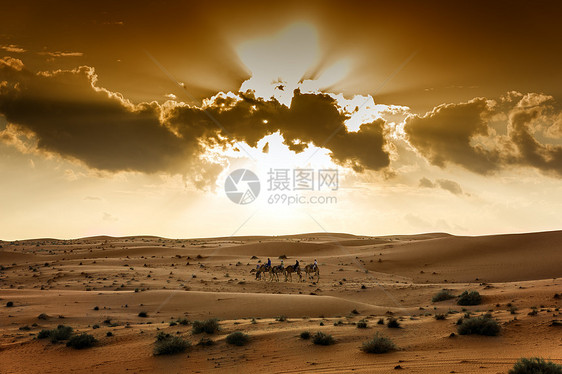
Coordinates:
(371,118)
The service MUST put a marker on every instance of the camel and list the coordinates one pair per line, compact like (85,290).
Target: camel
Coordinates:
(289,270)
(259,271)
(274,272)
(311,271)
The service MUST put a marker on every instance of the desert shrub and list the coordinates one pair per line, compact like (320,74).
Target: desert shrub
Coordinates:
(96,326)
(281,318)
(442,296)
(480,326)
(168,345)
(323,339)
(440,316)
(238,338)
(109,334)
(209,326)
(42,316)
(24,328)
(305,335)
(44,334)
(10,304)
(173,323)
(362,324)
(183,321)
(62,332)
(469,298)
(379,344)
(205,342)
(393,323)
(380,321)
(143,314)
(81,341)
(535,365)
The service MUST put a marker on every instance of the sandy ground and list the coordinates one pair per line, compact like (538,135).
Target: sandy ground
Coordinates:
(210,278)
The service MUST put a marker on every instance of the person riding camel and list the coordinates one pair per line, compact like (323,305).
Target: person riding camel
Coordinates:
(296,265)
(268,263)
(315,264)
(281,266)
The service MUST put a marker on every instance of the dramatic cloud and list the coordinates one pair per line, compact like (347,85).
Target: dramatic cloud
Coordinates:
(444,135)
(487,135)
(68,114)
(528,111)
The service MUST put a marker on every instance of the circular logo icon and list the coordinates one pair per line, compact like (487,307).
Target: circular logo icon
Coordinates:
(242,186)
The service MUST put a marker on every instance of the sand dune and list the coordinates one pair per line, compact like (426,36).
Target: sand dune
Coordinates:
(107,282)
(497,258)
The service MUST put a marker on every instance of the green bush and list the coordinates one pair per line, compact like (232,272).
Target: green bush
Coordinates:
(209,326)
(480,326)
(305,335)
(469,298)
(168,345)
(238,338)
(442,296)
(323,339)
(379,344)
(535,365)
(81,341)
(393,323)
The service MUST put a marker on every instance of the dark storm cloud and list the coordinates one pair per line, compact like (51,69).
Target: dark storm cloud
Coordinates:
(73,117)
(466,134)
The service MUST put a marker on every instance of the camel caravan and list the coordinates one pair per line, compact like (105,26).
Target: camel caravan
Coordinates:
(310,271)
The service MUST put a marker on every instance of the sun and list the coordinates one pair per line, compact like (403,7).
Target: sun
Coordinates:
(278,62)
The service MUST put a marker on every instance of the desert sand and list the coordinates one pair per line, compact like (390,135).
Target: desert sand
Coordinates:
(361,278)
